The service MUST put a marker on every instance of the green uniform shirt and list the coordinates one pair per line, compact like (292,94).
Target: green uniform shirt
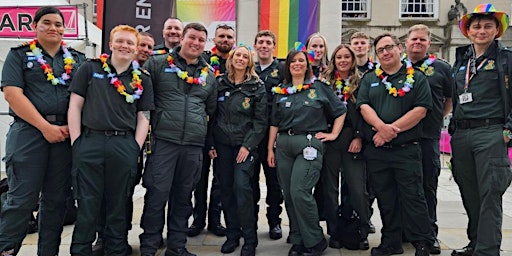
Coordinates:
(439,78)
(484,87)
(271,76)
(388,108)
(104,108)
(368,66)
(22,70)
(306,110)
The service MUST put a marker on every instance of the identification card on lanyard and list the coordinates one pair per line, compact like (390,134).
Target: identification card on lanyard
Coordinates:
(309,152)
(466,96)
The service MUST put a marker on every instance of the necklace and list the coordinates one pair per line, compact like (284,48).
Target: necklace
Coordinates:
(68,63)
(408,84)
(121,89)
(214,62)
(291,89)
(342,87)
(427,63)
(184,74)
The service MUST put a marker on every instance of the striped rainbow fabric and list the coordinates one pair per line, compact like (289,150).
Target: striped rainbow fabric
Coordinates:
(290,20)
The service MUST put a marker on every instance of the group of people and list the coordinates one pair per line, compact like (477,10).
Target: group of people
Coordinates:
(82,127)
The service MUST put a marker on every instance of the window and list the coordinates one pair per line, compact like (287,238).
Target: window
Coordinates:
(94,8)
(355,9)
(418,8)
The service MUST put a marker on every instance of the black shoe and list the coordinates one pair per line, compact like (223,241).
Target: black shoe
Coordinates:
(98,249)
(275,232)
(129,250)
(317,249)
(296,250)
(248,250)
(335,243)
(217,229)
(435,248)
(194,230)
(32,227)
(162,244)
(422,249)
(386,251)
(371,230)
(178,252)
(230,245)
(288,240)
(364,245)
(466,251)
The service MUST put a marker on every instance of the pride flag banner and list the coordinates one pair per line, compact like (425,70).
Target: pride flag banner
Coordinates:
(290,20)
(210,13)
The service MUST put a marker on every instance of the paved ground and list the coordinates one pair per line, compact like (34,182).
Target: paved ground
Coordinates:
(452,224)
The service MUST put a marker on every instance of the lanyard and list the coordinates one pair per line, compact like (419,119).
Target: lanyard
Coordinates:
(468,77)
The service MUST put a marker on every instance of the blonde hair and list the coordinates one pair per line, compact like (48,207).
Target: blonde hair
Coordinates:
(354,74)
(250,70)
(324,60)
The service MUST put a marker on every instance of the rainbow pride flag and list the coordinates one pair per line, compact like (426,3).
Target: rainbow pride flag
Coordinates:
(290,20)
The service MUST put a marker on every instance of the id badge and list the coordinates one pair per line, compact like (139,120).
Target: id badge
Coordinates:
(465,97)
(310,153)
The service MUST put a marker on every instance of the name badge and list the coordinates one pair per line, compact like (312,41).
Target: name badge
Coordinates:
(100,76)
(465,97)
(374,84)
(167,70)
(221,98)
(462,68)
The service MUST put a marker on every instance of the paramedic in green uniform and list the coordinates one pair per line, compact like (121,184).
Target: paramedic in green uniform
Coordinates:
(482,120)
(35,80)
(393,99)
(108,122)
(297,128)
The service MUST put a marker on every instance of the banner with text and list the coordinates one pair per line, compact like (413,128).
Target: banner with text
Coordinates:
(17,21)
(210,13)
(144,15)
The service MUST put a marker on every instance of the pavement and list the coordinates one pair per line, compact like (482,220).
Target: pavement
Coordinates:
(452,221)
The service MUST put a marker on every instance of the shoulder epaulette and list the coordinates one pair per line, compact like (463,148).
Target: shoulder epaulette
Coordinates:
(444,60)
(24,44)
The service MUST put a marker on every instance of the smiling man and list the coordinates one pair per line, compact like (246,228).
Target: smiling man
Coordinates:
(171,32)
(481,127)
(185,93)
(439,78)
(393,99)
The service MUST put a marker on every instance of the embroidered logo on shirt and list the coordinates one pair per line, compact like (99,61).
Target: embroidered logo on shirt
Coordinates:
(274,73)
(246,103)
(312,94)
(97,75)
(490,65)
(429,71)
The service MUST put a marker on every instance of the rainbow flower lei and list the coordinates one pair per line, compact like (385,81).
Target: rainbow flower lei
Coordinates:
(214,62)
(429,61)
(342,87)
(184,74)
(291,89)
(121,89)
(408,85)
(68,63)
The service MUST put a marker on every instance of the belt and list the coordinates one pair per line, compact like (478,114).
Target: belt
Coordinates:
(292,132)
(475,123)
(400,145)
(107,132)
(49,118)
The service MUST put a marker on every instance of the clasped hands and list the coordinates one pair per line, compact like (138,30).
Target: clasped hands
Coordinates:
(385,133)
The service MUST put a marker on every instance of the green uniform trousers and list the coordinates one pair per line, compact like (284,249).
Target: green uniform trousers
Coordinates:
(481,168)
(297,177)
(104,167)
(34,166)
(396,176)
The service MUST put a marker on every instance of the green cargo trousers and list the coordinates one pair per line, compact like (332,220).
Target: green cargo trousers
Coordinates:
(297,177)
(104,167)
(481,169)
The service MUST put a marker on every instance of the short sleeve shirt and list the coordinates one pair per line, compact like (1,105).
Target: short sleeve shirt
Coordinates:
(306,110)
(389,108)
(22,70)
(104,108)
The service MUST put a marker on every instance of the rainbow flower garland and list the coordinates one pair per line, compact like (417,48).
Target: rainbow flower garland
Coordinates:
(121,89)
(291,89)
(342,87)
(214,62)
(408,84)
(427,63)
(184,74)
(68,63)
(370,63)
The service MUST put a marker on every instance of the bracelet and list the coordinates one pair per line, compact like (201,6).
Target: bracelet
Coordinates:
(508,134)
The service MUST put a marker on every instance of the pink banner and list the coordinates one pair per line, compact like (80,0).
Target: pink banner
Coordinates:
(17,21)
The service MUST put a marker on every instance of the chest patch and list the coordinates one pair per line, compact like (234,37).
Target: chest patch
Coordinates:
(490,65)
(312,94)
(97,75)
(246,104)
